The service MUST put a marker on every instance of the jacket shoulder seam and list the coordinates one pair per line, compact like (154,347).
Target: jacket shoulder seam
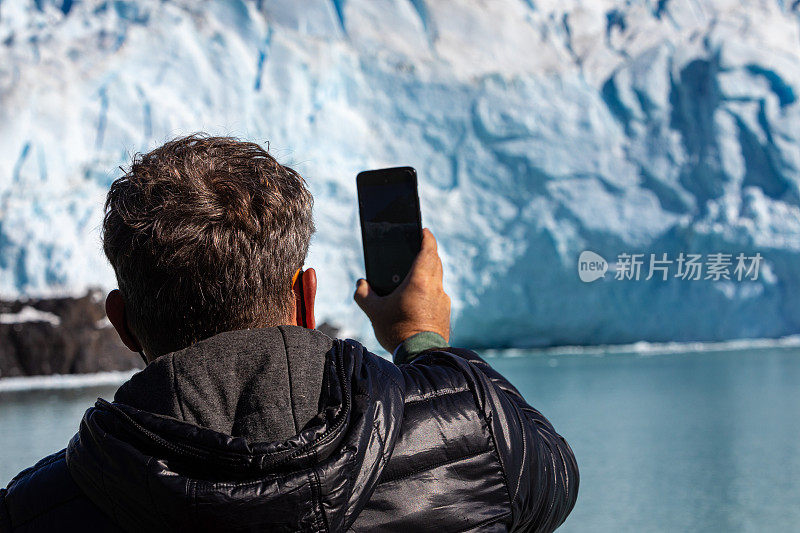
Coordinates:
(436,393)
(524,455)
(495,448)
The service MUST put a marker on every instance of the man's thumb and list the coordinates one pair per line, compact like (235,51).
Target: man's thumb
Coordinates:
(363,294)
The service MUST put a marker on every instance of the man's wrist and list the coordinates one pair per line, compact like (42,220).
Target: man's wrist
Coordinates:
(407,350)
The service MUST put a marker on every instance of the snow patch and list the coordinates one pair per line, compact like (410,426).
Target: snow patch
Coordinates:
(65,381)
(29,314)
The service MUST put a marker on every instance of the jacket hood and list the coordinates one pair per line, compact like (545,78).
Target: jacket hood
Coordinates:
(260,384)
(200,440)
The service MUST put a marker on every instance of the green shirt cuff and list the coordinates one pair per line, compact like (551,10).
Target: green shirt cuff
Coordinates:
(416,344)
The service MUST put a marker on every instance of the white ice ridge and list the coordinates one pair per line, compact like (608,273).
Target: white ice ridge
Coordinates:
(65,381)
(539,129)
(29,314)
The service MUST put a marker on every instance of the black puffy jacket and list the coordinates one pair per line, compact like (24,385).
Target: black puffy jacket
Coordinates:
(284,429)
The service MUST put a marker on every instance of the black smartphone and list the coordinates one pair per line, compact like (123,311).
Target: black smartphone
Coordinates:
(391,225)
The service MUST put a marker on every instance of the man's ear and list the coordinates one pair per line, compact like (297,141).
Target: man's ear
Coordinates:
(305,291)
(115,309)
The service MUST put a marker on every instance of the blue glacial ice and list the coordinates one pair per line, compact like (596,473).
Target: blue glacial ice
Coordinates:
(539,129)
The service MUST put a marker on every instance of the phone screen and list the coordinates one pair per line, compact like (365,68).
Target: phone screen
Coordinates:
(390,225)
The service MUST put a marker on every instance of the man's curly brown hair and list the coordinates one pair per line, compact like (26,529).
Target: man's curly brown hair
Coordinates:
(205,234)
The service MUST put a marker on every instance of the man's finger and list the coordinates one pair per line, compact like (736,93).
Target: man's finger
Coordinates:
(428,252)
(428,240)
(427,261)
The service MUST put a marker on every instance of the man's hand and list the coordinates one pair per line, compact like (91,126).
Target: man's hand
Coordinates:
(418,304)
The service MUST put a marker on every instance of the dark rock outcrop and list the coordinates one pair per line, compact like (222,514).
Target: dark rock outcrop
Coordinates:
(329,329)
(64,335)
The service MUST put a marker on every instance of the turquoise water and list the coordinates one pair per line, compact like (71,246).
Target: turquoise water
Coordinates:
(706,441)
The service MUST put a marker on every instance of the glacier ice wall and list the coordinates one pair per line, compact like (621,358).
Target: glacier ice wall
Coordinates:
(539,128)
